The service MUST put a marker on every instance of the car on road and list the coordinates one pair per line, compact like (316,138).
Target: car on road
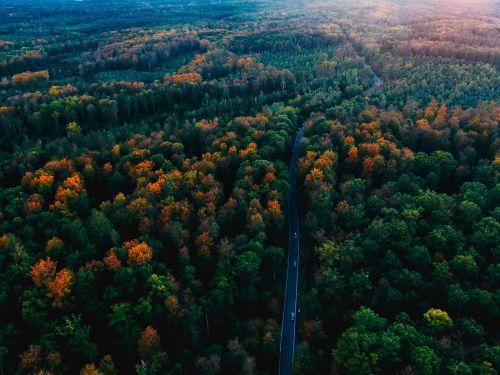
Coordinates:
(294,264)
(294,235)
(292,316)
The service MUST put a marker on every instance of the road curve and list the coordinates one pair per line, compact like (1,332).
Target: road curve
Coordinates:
(287,337)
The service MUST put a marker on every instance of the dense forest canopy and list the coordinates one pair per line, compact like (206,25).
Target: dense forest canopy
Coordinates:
(144,179)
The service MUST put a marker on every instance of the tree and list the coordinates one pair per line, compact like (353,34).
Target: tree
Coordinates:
(100,228)
(31,359)
(29,78)
(90,369)
(190,78)
(73,129)
(78,336)
(438,320)
(440,119)
(425,360)
(304,362)
(60,286)
(274,209)
(352,154)
(150,349)
(247,270)
(107,366)
(43,271)
(358,347)
(469,212)
(138,252)
(121,317)
(464,266)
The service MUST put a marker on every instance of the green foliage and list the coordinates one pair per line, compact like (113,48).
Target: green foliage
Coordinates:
(148,158)
(426,360)
(78,337)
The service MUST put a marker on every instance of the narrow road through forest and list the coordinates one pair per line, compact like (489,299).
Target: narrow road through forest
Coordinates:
(287,338)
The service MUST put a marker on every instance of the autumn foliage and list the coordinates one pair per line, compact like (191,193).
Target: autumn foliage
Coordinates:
(28,78)
(57,285)
(60,286)
(43,271)
(138,252)
(190,78)
(145,158)
(149,343)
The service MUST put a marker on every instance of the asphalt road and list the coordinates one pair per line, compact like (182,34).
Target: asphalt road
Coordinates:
(287,338)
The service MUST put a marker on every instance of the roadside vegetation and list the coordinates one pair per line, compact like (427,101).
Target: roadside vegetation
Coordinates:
(144,150)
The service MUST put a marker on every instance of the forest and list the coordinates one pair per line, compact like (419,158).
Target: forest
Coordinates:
(145,153)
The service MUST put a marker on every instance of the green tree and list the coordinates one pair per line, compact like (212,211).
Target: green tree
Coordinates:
(247,270)
(100,228)
(78,336)
(425,361)
(122,319)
